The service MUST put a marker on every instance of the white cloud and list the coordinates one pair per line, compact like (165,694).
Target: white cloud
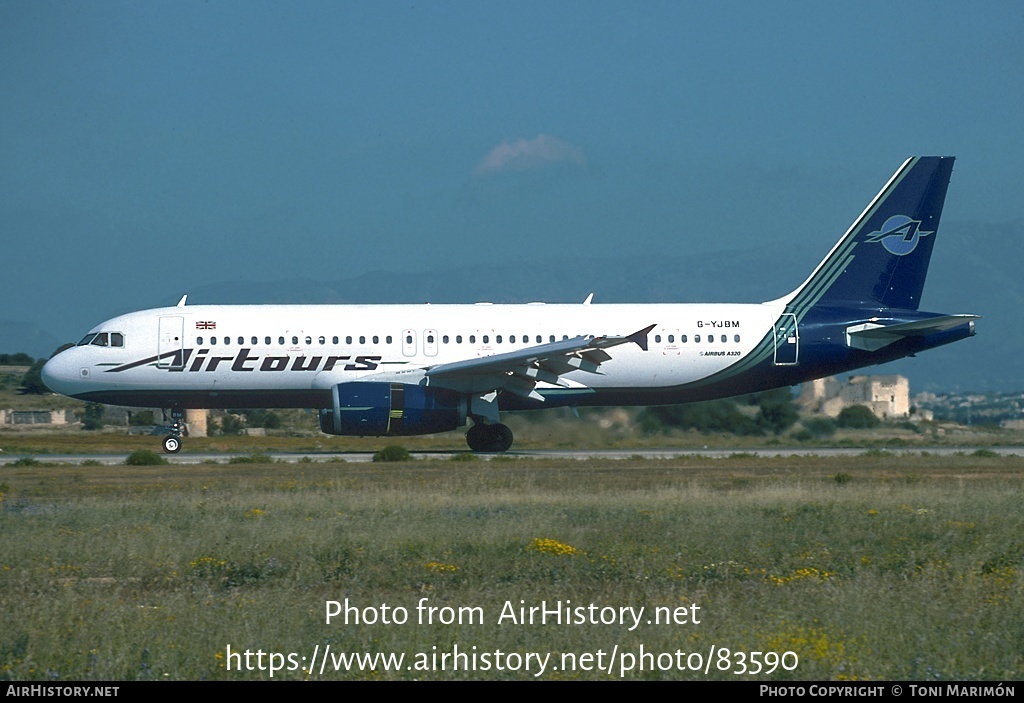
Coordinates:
(528,155)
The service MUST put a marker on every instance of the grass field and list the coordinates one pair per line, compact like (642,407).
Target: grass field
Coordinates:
(863,568)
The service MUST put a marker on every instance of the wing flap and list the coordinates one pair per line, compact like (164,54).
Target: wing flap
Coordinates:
(520,371)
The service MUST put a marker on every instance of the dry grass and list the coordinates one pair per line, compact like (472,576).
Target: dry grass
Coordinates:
(904,568)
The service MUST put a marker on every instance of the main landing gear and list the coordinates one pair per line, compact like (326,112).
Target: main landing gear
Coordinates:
(172,442)
(489,438)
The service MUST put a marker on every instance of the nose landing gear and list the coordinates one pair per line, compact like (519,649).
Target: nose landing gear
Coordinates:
(172,442)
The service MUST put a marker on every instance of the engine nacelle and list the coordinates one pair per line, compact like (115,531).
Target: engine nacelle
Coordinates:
(375,409)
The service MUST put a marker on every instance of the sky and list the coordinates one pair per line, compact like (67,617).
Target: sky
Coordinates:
(147,148)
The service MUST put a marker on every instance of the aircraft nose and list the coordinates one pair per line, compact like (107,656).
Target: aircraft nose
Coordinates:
(58,373)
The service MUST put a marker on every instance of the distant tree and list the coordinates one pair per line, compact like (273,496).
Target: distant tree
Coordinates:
(143,418)
(19,359)
(707,417)
(32,381)
(228,425)
(92,417)
(776,410)
(258,417)
(857,417)
(820,426)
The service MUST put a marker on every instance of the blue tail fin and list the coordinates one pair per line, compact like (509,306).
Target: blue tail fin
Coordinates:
(882,260)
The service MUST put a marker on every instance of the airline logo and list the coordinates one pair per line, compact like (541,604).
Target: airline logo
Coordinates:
(899,235)
(185,360)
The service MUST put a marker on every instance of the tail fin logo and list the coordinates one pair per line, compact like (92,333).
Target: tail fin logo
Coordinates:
(899,235)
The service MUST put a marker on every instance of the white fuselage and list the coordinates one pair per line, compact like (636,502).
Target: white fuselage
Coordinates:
(312,347)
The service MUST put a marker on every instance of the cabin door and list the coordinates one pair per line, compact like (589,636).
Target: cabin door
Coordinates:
(787,340)
(171,342)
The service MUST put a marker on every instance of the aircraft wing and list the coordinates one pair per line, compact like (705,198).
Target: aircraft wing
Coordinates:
(520,371)
(871,336)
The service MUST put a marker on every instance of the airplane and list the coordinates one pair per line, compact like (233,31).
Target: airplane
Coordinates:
(394,370)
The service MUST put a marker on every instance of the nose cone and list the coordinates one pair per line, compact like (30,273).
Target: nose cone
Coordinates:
(59,373)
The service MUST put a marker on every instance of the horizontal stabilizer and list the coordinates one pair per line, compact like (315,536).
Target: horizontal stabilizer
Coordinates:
(872,336)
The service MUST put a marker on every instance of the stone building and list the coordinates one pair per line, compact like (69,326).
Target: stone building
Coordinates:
(22,418)
(888,397)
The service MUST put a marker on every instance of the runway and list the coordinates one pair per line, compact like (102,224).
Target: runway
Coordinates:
(536,454)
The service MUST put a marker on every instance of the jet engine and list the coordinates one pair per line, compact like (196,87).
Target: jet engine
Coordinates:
(376,409)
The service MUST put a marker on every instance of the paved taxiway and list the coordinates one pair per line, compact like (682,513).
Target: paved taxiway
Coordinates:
(579,454)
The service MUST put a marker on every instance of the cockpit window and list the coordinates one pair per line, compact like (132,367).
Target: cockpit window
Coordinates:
(102,339)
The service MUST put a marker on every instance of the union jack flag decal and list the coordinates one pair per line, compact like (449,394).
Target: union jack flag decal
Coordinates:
(206,325)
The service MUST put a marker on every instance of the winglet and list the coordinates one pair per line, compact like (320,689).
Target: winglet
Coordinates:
(181,303)
(640,336)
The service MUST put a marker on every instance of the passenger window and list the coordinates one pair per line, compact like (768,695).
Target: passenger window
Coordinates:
(696,338)
(199,341)
(498,339)
(511,339)
(408,339)
(241,341)
(213,340)
(255,341)
(657,338)
(334,340)
(487,338)
(266,340)
(444,339)
(682,338)
(736,338)
(430,339)
(472,339)
(458,339)
(724,339)
(387,339)
(671,338)
(376,339)
(295,340)
(362,339)
(309,340)
(538,339)
(551,338)
(280,340)
(323,340)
